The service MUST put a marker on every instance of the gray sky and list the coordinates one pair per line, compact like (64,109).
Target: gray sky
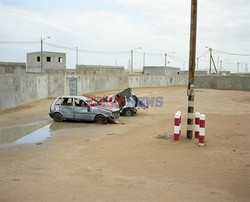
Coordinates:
(158,26)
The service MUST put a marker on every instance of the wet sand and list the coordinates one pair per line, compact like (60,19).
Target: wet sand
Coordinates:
(133,161)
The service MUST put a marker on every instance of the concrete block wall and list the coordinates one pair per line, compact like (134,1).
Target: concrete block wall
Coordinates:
(99,70)
(17,89)
(223,82)
(12,67)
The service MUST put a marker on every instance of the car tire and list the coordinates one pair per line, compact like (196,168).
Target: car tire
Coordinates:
(100,119)
(128,112)
(57,117)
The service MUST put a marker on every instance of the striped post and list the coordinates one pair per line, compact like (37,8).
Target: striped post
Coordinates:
(180,122)
(197,124)
(176,126)
(202,130)
(190,112)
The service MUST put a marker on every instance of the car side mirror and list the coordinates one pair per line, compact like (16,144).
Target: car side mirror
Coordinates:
(88,109)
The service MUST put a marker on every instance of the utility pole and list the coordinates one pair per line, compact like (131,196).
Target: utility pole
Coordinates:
(238,67)
(144,57)
(132,55)
(76,55)
(41,59)
(192,56)
(132,58)
(166,55)
(210,61)
(166,59)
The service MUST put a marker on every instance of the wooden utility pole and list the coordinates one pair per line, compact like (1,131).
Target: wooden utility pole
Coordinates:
(192,56)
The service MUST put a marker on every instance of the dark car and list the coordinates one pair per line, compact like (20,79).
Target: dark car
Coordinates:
(127,102)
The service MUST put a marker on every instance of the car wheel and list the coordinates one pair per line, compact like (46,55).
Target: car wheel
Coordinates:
(100,119)
(57,117)
(128,112)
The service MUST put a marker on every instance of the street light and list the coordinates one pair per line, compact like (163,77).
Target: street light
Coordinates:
(42,39)
(132,55)
(166,55)
(197,65)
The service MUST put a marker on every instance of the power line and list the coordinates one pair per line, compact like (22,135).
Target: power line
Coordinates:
(178,59)
(19,42)
(85,51)
(227,53)
(203,54)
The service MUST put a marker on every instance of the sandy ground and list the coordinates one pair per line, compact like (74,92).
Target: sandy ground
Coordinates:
(133,161)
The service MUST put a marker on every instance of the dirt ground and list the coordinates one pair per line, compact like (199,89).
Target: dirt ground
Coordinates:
(133,161)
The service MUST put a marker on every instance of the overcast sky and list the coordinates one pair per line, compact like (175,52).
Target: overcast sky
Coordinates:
(158,26)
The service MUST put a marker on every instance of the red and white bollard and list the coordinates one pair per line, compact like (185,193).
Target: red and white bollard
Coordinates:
(177,122)
(180,122)
(202,130)
(197,124)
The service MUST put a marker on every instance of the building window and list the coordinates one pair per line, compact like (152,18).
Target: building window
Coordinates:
(48,59)
(60,59)
(38,58)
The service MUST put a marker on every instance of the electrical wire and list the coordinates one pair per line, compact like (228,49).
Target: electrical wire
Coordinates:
(227,53)
(203,54)
(85,51)
(19,42)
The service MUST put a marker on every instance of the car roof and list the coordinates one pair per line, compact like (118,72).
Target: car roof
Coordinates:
(76,97)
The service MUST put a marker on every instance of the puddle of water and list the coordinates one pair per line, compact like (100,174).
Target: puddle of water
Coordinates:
(36,136)
(33,133)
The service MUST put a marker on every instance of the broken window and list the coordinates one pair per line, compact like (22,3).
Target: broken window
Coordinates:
(67,102)
(79,103)
(59,101)
(38,58)
(48,59)
(60,59)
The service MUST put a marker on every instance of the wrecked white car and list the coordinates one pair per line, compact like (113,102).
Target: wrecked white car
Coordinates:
(126,101)
(78,108)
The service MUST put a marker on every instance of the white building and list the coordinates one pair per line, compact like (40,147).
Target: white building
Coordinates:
(48,60)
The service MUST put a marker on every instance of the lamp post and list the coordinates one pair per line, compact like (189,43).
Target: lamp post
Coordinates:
(132,55)
(42,39)
(210,60)
(221,67)
(166,55)
(197,65)
(76,55)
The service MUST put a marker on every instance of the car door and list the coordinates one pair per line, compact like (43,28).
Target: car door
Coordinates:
(67,108)
(82,111)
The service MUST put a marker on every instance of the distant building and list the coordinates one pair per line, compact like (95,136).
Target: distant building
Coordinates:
(160,70)
(49,60)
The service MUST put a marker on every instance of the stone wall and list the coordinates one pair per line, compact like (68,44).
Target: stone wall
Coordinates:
(223,82)
(12,67)
(18,89)
(21,89)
